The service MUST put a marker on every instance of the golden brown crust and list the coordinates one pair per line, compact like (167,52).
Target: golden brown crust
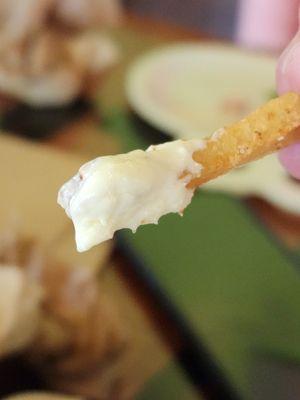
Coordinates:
(268,129)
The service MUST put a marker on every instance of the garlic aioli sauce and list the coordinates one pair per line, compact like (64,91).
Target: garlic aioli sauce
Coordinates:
(129,190)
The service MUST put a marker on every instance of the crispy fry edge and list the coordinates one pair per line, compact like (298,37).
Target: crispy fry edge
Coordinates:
(268,129)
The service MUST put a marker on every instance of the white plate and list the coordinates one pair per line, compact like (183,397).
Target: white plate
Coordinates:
(193,89)
(265,178)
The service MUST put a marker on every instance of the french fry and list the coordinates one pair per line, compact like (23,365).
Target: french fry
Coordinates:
(137,188)
(268,129)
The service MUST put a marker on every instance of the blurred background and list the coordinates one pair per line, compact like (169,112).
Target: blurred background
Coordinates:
(200,307)
(212,17)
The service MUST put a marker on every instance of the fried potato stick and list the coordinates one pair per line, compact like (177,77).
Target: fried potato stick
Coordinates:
(137,188)
(268,129)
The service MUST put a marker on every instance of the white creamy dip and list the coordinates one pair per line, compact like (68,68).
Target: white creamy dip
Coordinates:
(128,190)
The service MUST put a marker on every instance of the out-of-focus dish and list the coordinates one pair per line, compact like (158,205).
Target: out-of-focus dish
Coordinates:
(59,317)
(264,178)
(189,90)
(51,49)
(79,330)
(19,309)
(54,310)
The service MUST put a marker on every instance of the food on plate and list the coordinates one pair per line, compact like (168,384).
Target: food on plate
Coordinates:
(21,18)
(52,67)
(19,310)
(128,190)
(59,317)
(51,49)
(87,13)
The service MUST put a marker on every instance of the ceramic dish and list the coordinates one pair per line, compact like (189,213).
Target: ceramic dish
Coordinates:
(191,90)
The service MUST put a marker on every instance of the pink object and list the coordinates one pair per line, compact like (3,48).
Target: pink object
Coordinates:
(290,159)
(270,25)
(288,68)
(288,79)
(266,24)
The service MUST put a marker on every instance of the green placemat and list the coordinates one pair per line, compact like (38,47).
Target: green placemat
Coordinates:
(170,383)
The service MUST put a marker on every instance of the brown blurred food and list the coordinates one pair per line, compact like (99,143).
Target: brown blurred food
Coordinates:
(50,49)
(58,315)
